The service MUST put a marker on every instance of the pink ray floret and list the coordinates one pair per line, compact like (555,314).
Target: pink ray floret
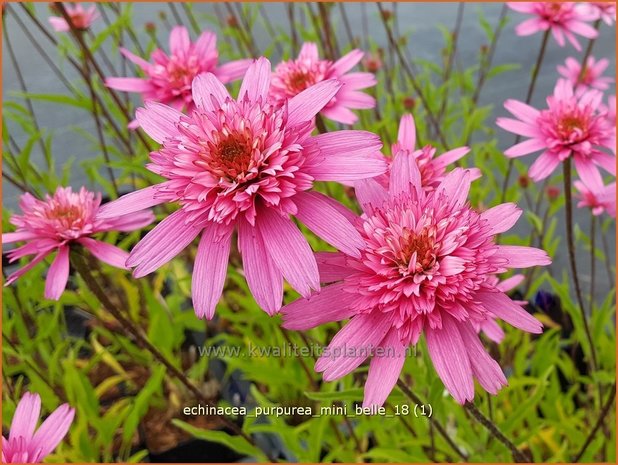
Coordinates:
(592,77)
(598,197)
(82,18)
(293,76)
(60,221)
(432,168)
(249,166)
(25,445)
(168,78)
(563,19)
(573,125)
(427,268)
(605,11)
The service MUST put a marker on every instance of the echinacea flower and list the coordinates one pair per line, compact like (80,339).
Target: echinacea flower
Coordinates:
(573,125)
(168,78)
(25,445)
(425,269)
(293,76)
(248,166)
(563,19)
(432,168)
(592,76)
(598,197)
(600,10)
(82,18)
(60,221)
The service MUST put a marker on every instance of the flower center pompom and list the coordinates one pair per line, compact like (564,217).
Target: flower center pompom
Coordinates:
(418,251)
(554,12)
(232,155)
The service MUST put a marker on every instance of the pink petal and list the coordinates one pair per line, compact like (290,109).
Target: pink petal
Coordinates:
(208,92)
(340,114)
(384,370)
(543,166)
(135,59)
(58,274)
(353,344)
(407,133)
(486,370)
(450,359)
(528,27)
(347,61)
(107,253)
(503,307)
(17,236)
(163,243)
(180,42)
(502,217)
(331,304)
(206,45)
(492,330)
(129,84)
(19,273)
(158,121)
(449,157)
(233,70)
(451,265)
(59,24)
(26,417)
(510,283)
(323,216)
(128,223)
(304,106)
(522,111)
(210,269)
(521,256)
(54,429)
(289,250)
(456,185)
(587,171)
(263,277)
(132,202)
(518,127)
(405,175)
(332,266)
(370,193)
(309,52)
(526,147)
(256,83)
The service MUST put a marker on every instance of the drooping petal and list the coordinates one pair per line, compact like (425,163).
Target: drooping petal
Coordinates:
(26,417)
(526,147)
(17,236)
(54,429)
(322,215)
(163,243)
(58,274)
(107,253)
(264,279)
(289,250)
(486,370)
(384,370)
(139,61)
(450,359)
(210,269)
(504,308)
(128,223)
(353,344)
(331,304)
(521,256)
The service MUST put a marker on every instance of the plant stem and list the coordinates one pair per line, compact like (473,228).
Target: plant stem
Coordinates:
(593,257)
(566,165)
(518,455)
(604,412)
(535,75)
(414,398)
(587,53)
(80,265)
(319,123)
(451,59)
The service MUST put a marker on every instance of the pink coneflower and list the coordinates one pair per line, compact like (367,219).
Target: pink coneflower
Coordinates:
(293,76)
(60,221)
(563,19)
(24,445)
(425,269)
(248,165)
(571,126)
(168,78)
(81,18)
(598,197)
(591,77)
(600,10)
